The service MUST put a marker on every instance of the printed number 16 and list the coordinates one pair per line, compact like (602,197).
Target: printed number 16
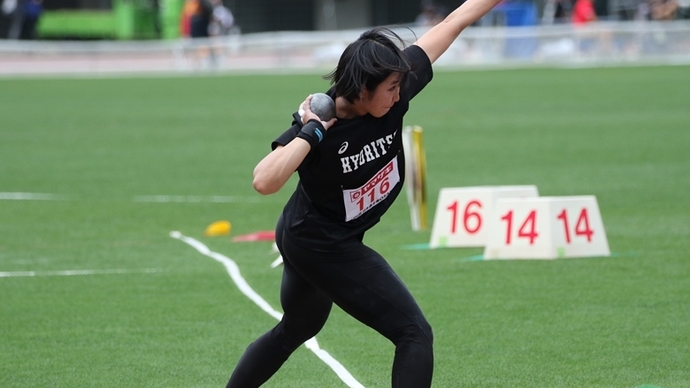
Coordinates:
(467,215)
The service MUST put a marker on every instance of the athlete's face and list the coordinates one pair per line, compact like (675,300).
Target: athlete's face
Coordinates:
(380,101)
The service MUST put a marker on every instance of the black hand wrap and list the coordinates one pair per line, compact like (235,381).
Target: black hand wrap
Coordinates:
(312,132)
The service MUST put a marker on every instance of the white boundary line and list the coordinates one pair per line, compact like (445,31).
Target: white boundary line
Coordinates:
(77,272)
(194,198)
(31,196)
(21,196)
(234,272)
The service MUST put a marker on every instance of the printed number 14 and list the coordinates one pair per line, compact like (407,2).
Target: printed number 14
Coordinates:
(528,229)
(581,226)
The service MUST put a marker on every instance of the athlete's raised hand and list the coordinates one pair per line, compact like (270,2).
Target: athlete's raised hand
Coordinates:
(437,40)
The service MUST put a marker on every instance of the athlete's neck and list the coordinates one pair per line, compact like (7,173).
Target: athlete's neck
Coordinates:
(349,110)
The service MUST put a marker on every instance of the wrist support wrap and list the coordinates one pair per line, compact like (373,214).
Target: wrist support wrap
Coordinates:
(312,132)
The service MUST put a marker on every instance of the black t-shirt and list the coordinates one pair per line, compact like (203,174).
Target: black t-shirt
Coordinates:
(349,180)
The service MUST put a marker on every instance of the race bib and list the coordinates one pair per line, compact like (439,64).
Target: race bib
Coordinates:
(358,201)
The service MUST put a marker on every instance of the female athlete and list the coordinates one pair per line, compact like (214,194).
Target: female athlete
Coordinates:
(351,169)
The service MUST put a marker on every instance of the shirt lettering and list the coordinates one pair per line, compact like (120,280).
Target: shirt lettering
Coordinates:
(367,154)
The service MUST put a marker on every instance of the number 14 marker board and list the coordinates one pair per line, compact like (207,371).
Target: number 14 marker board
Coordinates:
(546,228)
(462,213)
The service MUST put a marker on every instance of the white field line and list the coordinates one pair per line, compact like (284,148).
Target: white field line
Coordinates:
(234,272)
(77,272)
(20,196)
(194,199)
(31,197)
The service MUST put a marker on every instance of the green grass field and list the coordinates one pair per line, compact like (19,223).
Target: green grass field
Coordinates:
(175,319)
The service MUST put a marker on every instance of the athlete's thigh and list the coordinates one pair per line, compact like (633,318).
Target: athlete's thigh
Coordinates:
(364,285)
(300,298)
(375,293)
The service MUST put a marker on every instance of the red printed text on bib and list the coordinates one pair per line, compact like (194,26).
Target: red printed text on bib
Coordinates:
(358,201)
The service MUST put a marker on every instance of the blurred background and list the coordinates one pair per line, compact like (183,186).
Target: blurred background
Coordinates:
(97,168)
(121,36)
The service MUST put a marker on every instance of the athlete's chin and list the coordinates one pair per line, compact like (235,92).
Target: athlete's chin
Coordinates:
(381,113)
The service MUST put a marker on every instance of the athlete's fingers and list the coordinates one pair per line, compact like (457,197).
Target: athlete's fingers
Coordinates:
(305,111)
(329,123)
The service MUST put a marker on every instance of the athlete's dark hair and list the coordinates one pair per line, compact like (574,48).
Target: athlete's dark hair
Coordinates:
(367,62)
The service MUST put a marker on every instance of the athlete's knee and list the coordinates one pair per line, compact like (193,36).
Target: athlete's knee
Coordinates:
(417,334)
(426,334)
(287,340)
(291,333)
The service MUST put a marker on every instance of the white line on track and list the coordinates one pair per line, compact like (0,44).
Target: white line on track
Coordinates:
(78,272)
(21,196)
(234,272)
(31,196)
(194,198)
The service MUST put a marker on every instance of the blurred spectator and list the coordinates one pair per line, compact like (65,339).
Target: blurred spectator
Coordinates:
(199,22)
(642,12)
(195,18)
(431,14)
(24,15)
(583,12)
(663,9)
(32,13)
(684,9)
(8,8)
(195,21)
(188,9)
(564,9)
(222,20)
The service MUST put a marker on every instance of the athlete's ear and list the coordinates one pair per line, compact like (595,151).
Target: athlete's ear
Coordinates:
(364,95)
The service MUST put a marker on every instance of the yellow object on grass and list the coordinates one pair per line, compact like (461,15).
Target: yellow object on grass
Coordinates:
(218,228)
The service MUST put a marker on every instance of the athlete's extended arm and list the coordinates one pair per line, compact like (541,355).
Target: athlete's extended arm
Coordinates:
(437,40)
(274,170)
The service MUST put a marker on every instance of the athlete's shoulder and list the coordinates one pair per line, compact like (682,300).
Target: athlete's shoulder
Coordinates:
(421,73)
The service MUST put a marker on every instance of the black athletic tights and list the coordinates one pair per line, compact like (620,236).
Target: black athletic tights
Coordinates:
(360,282)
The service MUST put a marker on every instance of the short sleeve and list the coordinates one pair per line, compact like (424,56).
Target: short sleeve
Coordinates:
(289,134)
(421,73)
